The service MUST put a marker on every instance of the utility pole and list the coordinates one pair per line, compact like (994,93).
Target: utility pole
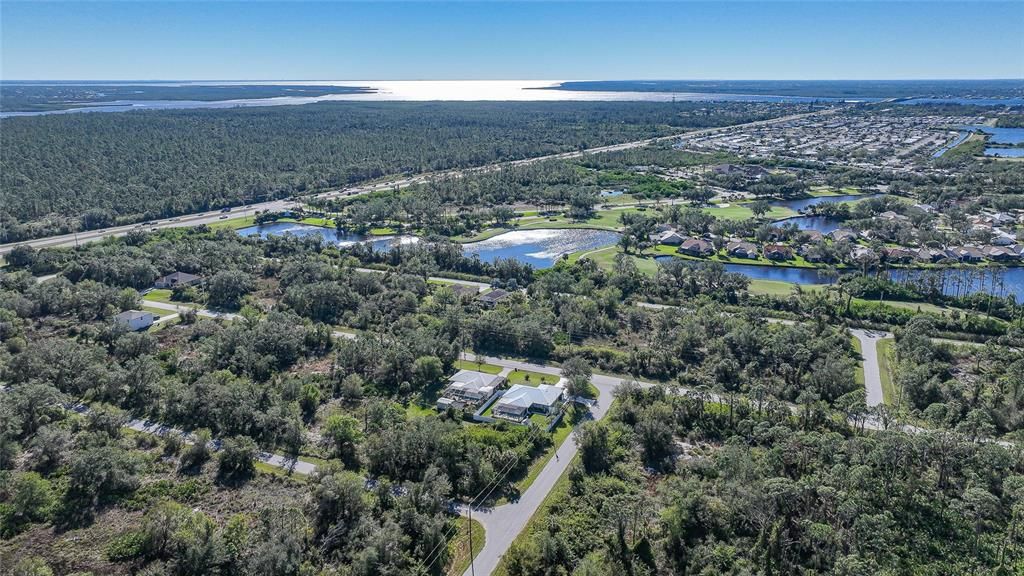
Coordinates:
(472,566)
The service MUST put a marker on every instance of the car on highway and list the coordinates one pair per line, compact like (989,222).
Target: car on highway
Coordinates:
(224,217)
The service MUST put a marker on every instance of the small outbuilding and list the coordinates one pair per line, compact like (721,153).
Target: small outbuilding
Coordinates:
(135,319)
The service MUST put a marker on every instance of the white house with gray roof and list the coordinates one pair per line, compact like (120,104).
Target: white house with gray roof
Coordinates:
(520,401)
(468,387)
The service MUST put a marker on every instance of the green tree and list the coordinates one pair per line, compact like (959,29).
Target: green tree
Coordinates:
(237,459)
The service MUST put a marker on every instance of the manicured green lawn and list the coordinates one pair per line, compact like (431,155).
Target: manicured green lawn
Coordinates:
(914,306)
(742,212)
(530,378)
(778,288)
(823,191)
(159,295)
(458,547)
(478,367)
(383,231)
(605,258)
(604,219)
(160,312)
(886,356)
(859,373)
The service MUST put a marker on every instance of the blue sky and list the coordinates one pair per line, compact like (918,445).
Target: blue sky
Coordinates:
(496,40)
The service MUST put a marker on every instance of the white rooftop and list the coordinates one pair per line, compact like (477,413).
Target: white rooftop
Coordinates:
(522,396)
(475,383)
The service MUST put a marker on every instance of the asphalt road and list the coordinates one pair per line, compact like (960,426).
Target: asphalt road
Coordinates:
(872,369)
(396,183)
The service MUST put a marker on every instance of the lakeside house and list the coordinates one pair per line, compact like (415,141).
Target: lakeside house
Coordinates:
(897,254)
(778,252)
(468,388)
(520,401)
(968,253)
(671,238)
(696,247)
(813,235)
(840,234)
(177,279)
(1000,253)
(135,319)
(742,249)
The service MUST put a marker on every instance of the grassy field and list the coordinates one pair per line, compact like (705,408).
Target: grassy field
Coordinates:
(886,356)
(779,288)
(458,547)
(605,258)
(530,378)
(160,312)
(234,223)
(742,212)
(859,372)
(477,366)
(913,306)
(974,145)
(415,410)
(603,219)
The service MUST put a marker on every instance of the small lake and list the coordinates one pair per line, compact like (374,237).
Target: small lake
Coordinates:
(1001,135)
(951,281)
(801,203)
(1005,152)
(330,235)
(822,224)
(541,248)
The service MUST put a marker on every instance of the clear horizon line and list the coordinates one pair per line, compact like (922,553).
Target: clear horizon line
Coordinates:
(93,80)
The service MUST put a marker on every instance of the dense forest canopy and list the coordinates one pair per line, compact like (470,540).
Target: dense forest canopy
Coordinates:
(784,477)
(677,485)
(134,166)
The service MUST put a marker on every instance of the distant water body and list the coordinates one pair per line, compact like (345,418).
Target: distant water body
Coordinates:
(424,91)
